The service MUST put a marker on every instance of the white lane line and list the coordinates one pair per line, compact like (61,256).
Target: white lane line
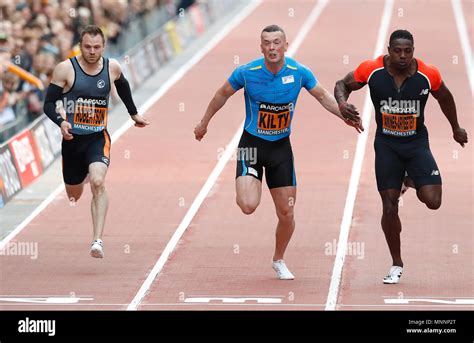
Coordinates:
(185,222)
(464,38)
(233,300)
(32,216)
(356,170)
(389,307)
(220,164)
(46,301)
(307,25)
(436,301)
(142,109)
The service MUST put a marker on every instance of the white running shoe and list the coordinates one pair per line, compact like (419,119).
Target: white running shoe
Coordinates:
(282,271)
(97,249)
(394,275)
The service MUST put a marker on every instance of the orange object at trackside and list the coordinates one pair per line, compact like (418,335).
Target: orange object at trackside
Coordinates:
(25,75)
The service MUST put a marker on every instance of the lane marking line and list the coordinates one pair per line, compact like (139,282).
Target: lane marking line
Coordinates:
(234,300)
(178,75)
(229,151)
(464,38)
(306,305)
(47,301)
(32,216)
(356,170)
(436,301)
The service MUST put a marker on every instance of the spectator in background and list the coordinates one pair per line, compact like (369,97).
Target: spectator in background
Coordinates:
(24,10)
(38,34)
(43,66)
(7,97)
(30,49)
(4,43)
(114,12)
(6,112)
(82,18)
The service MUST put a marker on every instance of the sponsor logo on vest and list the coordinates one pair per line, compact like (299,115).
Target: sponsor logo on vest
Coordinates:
(424,91)
(274,119)
(100,102)
(288,79)
(400,106)
(399,117)
(90,114)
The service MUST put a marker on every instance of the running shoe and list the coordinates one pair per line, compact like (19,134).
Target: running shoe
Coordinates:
(97,249)
(394,275)
(282,271)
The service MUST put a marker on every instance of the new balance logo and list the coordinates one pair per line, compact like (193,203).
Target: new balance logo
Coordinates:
(424,91)
(435,172)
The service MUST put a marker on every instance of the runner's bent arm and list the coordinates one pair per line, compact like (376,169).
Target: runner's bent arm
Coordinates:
(55,91)
(125,93)
(325,99)
(219,99)
(54,94)
(329,103)
(342,90)
(448,106)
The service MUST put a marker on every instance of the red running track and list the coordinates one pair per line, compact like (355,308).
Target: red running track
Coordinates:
(156,173)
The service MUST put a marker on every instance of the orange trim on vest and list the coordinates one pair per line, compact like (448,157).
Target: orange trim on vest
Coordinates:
(363,71)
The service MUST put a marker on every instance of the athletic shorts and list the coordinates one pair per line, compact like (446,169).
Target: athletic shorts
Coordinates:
(255,154)
(393,159)
(80,152)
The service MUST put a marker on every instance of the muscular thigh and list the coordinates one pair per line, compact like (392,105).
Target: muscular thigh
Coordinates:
(389,166)
(422,167)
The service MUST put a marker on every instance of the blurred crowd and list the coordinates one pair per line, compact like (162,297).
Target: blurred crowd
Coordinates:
(37,34)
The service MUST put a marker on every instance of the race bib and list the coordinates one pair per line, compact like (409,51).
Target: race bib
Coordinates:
(401,125)
(90,114)
(274,119)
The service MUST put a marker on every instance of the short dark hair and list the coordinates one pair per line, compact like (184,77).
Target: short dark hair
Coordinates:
(92,30)
(273,28)
(404,34)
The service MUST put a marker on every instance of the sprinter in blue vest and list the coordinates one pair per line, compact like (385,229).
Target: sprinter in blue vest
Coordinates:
(271,85)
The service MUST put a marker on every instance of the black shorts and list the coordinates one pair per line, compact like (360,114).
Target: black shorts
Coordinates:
(393,159)
(80,152)
(254,154)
